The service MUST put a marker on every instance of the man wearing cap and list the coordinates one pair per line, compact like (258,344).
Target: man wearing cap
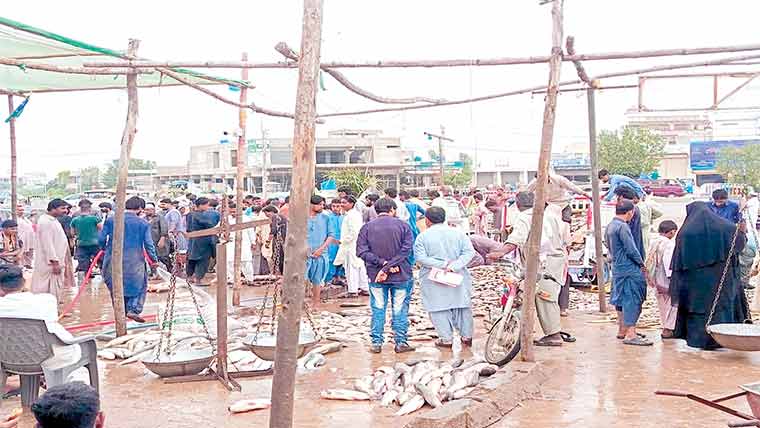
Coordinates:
(552,257)
(52,263)
(86,227)
(628,283)
(449,307)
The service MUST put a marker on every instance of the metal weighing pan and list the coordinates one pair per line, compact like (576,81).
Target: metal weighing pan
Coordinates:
(741,337)
(186,363)
(264,345)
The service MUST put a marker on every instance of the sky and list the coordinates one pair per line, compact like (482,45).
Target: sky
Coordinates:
(76,130)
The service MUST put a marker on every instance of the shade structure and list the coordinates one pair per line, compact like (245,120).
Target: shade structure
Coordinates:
(23,47)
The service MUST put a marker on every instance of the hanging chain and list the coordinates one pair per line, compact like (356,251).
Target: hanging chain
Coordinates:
(263,309)
(203,320)
(307,310)
(168,316)
(723,277)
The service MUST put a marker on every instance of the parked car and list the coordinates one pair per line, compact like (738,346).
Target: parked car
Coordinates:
(665,187)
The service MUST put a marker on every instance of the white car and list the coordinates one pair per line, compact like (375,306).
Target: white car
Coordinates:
(456,216)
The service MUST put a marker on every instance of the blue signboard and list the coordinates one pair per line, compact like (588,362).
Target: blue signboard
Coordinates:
(704,154)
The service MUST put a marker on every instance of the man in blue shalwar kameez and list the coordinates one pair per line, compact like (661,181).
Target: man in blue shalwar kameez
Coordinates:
(137,239)
(628,283)
(444,247)
(319,235)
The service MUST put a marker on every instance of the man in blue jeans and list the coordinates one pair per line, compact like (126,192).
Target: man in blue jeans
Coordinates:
(385,244)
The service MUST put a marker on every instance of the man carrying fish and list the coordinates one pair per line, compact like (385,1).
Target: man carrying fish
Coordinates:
(553,258)
(441,247)
(385,244)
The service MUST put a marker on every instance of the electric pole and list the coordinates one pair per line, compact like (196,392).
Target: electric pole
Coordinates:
(441,138)
(264,160)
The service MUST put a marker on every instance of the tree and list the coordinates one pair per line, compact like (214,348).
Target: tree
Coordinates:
(109,176)
(356,179)
(462,178)
(633,152)
(90,177)
(740,165)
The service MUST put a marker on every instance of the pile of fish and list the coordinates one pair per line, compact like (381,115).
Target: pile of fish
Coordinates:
(412,384)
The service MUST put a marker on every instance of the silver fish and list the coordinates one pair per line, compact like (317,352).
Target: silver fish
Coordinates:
(489,370)
(472,362)
(435,386)
(378,385)
(412,405)
(317,360)
(428,395)
(462,393)
(472,377)
(403,397)
(427,377)
(249,405)
(327,348)
(458,381)
(446,379)
(364,385)
(389,397)
(456,363)
(344,394)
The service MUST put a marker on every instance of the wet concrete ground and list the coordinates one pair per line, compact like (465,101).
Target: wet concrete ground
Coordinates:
(598,382)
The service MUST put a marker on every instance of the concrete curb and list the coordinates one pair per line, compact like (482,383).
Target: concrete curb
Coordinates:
(491,400)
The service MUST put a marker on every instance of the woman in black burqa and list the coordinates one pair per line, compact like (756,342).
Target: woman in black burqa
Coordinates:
(700,256)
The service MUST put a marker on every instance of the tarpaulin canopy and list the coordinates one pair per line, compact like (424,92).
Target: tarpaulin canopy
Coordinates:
(22,47)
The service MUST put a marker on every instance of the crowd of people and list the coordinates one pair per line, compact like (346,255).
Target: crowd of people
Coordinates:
(371,246)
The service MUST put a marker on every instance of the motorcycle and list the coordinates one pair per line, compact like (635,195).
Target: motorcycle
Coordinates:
(503,342)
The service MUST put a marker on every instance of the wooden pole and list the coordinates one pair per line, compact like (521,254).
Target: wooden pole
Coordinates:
(709,63)
(440,156)
(547,133)
(733,91)
(74,70)
(596,202)
(304,143)
(441,63)
(127,139)
(221,298)
(12,130)
(242,154)
(715,91)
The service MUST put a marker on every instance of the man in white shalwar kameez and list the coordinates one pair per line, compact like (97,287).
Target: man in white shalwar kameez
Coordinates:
(26,234)
(246,253)
(356,272)
(52,263)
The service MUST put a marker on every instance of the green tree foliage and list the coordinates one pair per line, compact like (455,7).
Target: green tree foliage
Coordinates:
(56,188)
(632,152)
(90,178)
(740,165)
(462,178)
(356,179)
(109,176)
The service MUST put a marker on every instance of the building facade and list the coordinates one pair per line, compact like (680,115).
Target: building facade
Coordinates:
(214,166)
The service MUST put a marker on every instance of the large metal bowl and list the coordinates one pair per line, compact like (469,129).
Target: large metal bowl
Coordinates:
(184,364)
(264,344)
(741,337)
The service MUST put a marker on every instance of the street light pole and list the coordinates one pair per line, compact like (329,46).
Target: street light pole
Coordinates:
(441,138)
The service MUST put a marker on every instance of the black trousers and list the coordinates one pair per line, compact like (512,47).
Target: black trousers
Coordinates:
(84,255)
(198,268)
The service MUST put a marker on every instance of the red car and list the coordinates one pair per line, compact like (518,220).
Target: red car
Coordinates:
(665,187)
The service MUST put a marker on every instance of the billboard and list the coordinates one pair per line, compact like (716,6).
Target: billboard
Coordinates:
(703,155)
